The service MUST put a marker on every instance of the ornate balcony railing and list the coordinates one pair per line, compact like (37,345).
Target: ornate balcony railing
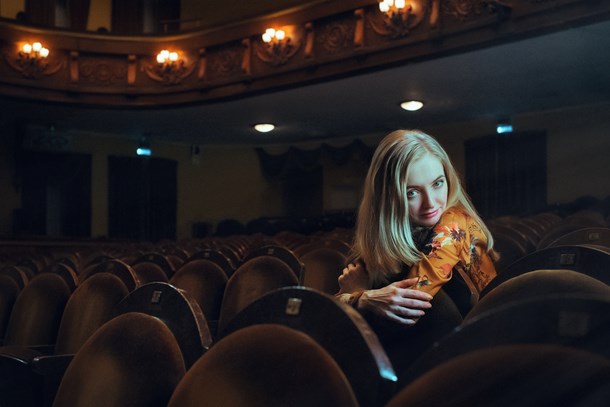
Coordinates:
(328,40)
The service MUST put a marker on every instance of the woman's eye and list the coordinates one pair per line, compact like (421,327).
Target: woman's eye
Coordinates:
(411,193)
(439,183)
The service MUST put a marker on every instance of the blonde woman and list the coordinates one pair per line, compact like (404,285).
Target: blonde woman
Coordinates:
(415,224)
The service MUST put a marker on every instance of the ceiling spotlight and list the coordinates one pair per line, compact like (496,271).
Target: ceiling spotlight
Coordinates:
(412,105)
(264,127)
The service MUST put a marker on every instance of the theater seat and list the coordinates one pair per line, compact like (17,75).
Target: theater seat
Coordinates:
(538,283)
(149,273)
(252,280)
(37,311)
(279,252)
(17,274)
(217,257)
(116,267)
(578,321)
(132,360)
(264,365)
(178,310)
(322,268)
(205,281)
(581,258)
(163,272)
(38,371)
(65,271)
(34,322)
(513,375)
(9,290)
(598,236)
(337,327)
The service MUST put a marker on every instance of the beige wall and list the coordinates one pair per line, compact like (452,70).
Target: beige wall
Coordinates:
(10,8)
(227,182)
(578,148)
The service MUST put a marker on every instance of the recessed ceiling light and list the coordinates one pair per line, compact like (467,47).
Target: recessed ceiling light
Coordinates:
(412,105)
(264,127)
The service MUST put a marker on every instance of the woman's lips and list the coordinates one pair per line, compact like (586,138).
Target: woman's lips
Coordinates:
(430,215)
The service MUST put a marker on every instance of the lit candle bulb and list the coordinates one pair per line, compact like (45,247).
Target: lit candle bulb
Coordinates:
(162,56)
(268,35)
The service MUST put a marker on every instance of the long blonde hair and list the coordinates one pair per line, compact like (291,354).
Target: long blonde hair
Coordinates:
(383,237)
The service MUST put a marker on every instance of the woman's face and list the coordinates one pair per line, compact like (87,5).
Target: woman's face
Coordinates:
(426,191)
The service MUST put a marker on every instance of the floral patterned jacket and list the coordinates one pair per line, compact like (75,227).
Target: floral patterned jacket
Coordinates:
(455,241)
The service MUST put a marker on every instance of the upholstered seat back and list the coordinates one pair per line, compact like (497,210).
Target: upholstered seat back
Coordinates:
(37,311)
(265,365)
(90,306)
(132,360)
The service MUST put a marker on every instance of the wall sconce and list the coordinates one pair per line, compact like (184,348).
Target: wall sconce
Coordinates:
(278,47)
(170,68)
(399,17)
(32,61)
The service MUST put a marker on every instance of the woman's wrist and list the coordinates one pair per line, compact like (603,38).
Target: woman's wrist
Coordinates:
(351,298)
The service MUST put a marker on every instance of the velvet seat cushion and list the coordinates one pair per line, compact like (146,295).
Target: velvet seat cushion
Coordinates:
(264,365)
(513,375)
(132,360)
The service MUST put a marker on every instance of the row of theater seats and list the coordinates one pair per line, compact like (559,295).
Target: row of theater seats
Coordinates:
(251,320)
(52,304)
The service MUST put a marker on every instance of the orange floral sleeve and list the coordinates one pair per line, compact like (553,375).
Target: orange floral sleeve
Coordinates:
(453,242)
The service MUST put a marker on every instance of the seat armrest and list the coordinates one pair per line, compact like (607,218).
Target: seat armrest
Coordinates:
(51,364)
(52,369)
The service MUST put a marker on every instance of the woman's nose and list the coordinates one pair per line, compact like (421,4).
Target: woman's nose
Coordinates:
(426,198)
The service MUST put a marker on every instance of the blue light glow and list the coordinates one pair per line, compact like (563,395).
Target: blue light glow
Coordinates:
(504,128)
(143,151)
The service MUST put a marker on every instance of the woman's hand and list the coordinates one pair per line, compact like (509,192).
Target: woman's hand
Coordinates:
(398,302)
(354,278)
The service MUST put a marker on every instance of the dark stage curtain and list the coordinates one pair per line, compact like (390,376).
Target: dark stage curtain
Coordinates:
(275,165)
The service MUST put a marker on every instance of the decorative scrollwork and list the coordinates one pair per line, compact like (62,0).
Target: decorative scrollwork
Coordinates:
(464,9)
(103,72)
(336,37)
(31,67)
(225,62)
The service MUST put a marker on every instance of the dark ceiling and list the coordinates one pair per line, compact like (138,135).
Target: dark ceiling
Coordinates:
(549,72)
